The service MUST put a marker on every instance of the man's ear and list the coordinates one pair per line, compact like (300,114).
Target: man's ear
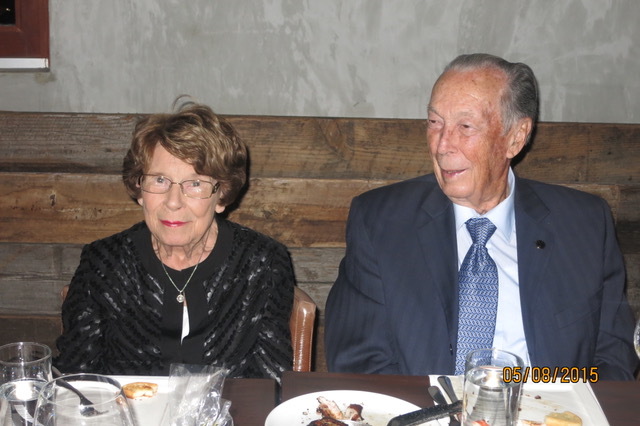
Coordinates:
(140,201)
(519,136)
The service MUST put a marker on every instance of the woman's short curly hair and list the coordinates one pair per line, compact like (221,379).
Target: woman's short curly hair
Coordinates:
(195,135)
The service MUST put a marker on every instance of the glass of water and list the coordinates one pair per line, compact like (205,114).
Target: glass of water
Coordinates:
(83,399)
(636,338)
(25,367)
(487,395)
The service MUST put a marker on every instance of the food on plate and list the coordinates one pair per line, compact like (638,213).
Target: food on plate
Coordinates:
(332,414)
(326,421)
(329,409)
(140,390)
(566,418)
(353,412)
(530,423)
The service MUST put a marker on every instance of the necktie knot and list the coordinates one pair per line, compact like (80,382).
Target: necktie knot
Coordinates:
(481,229)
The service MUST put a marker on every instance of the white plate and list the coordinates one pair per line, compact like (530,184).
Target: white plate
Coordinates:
(377,409)
(540,399)
(149,411)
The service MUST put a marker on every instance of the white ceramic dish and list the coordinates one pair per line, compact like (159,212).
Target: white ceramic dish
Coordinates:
(377,409)
(150,411)
(540,399)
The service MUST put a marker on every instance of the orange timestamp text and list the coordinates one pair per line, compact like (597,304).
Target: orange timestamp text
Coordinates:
(550,374)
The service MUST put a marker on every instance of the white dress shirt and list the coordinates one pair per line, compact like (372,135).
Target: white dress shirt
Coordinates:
(502,247)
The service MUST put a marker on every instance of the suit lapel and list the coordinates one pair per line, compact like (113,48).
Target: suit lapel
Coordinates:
(535,247)
(437,240)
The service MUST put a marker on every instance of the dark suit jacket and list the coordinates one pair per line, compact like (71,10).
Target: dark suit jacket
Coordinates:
(394,306)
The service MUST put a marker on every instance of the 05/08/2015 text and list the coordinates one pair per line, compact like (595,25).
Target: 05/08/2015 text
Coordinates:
(550,374)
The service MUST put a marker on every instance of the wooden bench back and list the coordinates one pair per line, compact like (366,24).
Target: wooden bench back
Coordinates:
(61,188)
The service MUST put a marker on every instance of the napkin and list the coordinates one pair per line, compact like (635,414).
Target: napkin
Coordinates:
(196,396)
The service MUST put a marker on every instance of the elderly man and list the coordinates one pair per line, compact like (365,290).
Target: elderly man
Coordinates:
(472,256)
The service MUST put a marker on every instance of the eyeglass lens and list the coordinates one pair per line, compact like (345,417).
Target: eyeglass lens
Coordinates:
(158,184)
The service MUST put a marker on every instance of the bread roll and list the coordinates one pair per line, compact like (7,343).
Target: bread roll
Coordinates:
(140,390)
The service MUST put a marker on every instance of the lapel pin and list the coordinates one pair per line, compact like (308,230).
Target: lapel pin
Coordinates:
(540,244)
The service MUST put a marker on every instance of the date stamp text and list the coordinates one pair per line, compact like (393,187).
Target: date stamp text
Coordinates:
(550,374)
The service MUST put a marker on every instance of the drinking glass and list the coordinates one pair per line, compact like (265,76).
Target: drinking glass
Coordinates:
(83,399)
(487,396)
(636,338)
(25,367)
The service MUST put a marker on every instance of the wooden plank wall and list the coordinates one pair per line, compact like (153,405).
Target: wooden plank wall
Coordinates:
(60,188)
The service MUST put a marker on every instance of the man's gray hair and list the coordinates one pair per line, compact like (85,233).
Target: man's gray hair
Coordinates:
(520,99)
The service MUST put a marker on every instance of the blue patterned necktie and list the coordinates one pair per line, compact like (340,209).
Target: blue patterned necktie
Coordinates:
(478,293)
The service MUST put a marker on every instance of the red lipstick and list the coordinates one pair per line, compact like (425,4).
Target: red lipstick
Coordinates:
(172,224)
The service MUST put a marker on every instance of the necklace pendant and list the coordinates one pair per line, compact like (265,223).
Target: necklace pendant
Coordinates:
(180,298)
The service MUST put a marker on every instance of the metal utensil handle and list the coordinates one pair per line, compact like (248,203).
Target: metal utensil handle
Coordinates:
(446,384)
(57,374)
(437,395)
(425,414)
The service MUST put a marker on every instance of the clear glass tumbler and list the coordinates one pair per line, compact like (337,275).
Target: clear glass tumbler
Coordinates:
(487,396)
(25,367)
(83,399)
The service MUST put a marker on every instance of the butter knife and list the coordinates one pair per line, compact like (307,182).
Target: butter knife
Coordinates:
(439,399)
(446,384)
(437,395)
(426,414)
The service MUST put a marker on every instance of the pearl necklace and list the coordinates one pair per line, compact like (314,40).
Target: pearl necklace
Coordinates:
(180,298)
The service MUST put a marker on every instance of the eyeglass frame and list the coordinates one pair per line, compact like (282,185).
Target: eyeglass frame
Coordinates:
(215,188)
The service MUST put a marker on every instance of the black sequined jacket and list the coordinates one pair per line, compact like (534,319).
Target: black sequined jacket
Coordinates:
(121,315)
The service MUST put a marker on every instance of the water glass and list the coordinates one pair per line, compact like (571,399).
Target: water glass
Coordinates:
(25,367)
(636,338)
(486,395)
(83,399)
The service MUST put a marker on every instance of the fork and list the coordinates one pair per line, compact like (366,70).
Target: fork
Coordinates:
(86,406)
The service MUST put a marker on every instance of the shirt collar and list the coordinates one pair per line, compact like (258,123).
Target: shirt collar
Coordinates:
(502,215)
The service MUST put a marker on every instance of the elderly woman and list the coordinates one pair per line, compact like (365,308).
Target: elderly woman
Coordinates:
(186,285)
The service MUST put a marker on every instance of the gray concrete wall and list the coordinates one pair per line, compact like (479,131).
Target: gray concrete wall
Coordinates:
(358,58)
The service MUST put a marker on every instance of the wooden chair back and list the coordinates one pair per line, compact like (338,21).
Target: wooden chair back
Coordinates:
(302,323)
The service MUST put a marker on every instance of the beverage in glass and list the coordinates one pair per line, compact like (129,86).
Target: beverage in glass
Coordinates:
(25,367)
(487,396)
(636,338)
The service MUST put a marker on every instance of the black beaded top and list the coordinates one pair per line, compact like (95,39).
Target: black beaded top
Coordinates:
(121,315)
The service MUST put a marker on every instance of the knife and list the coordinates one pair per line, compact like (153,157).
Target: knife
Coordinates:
(446,384)
(437,395)
(426,414)
(439,399)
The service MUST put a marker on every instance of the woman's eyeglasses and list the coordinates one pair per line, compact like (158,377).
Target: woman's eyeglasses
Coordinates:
(158,184)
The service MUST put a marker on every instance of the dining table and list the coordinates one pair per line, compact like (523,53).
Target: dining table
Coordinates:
(253,399)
